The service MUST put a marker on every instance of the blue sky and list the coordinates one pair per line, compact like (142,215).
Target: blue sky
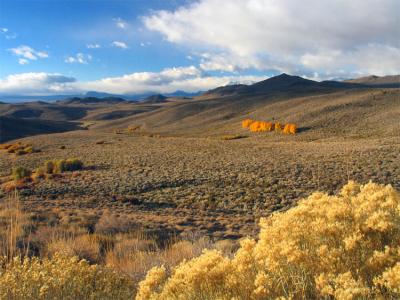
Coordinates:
(134,46)
(64,28)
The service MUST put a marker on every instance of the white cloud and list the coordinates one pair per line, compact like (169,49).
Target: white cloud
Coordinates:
(79,58)
(35,84)
(3,30)
(119,44)
(28,53)
(23,61)
(93,46)
(120,23)
(190,79)
(287,35)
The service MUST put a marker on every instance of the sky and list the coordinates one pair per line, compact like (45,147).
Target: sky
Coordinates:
(57,47)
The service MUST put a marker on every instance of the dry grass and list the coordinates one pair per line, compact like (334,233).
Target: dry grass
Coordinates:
(19,148)
(211,186)
(14,229)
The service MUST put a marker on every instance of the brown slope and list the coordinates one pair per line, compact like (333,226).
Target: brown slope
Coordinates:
(362,112)
(388,81)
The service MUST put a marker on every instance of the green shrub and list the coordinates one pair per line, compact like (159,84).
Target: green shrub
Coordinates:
(20,173)
(41,172)
(73,164)
(63,165)
(20,152)
(59,166)
(49,166)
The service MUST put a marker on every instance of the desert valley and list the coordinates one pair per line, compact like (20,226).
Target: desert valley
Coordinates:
(185,169)
(199,150)
(186,165)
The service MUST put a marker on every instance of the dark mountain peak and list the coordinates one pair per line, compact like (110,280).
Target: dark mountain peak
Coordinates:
(282,81)
(158,98)
(230,89)
(283,75)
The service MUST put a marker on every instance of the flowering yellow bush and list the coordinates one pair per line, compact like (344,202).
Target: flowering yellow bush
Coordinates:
(262,126)
(246,123)
(293,129)
(290,128)
(331,247)
(60,277)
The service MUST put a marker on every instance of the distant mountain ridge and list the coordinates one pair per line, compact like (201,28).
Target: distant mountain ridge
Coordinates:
(283,82)
(128,97)
(276,83)
(92,100)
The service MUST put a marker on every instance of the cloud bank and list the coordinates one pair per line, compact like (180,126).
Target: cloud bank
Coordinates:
(190,79)
(330,38)
(35,84)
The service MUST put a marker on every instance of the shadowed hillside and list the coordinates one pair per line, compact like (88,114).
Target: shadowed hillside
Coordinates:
(13,128)
(155,99)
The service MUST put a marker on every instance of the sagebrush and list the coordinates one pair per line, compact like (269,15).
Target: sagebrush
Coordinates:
(330,247)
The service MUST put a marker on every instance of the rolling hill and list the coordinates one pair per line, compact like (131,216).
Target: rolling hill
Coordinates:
(318,107)
(326,108)
(373,80)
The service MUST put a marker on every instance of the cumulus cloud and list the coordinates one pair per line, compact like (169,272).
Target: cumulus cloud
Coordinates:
(35,84)
(93,46)
(301,37)
(189,79)
(120,23)
(23,61)
(119,44)
(27,53)
(79,58)
(3,30)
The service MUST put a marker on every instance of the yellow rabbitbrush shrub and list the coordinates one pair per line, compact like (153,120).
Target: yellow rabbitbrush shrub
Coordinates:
(261,126)
(328,247)
(290,128)
(246,123)
(61,277)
